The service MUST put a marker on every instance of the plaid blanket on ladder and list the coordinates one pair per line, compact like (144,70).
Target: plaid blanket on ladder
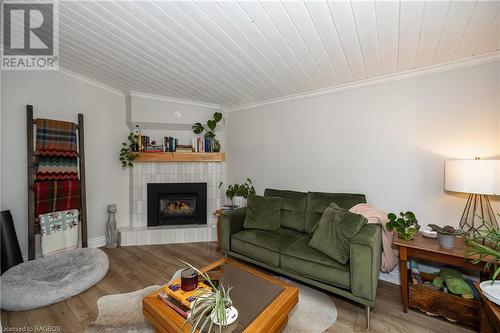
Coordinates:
(55,135)
(58,195)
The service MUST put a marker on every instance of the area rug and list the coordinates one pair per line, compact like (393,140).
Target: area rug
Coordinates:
(52,279)
(314,313)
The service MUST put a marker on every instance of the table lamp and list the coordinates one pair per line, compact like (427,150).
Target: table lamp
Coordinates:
(479,178)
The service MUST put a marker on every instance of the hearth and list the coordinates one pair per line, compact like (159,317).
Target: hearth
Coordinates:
(177,203)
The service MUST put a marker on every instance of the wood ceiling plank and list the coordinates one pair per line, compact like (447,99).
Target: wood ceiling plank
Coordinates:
(346,27)
(302,21)
(410,24)
(323,21)
(366,27)
(457,21)
(284,24)
(236,14)
(482,18)
(262,20)
(432,28)
(387,14)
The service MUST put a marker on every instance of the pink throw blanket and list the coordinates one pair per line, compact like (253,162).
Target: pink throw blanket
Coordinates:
(374,215)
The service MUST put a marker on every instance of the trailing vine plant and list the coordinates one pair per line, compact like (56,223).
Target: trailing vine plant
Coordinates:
(127,155)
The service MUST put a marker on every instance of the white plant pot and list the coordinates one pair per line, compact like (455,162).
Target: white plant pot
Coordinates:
(239,201)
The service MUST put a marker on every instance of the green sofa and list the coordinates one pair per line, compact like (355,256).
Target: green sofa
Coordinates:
(288,253)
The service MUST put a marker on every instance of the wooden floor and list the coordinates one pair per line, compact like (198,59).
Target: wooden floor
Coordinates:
(136,267)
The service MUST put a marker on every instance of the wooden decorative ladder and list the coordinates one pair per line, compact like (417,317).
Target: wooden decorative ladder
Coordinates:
(33,221)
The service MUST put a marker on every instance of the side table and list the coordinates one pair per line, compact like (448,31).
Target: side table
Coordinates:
(490,314)
(428,249)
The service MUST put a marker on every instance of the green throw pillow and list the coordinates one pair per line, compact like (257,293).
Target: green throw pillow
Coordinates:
(263,213)
(334,232)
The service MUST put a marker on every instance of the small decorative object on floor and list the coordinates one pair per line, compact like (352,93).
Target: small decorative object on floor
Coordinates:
(446,235)
(212,306)
(111,232)
(406,225)
(11,253)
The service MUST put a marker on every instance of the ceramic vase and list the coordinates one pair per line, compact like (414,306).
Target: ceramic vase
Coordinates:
(239,201)
(111,232)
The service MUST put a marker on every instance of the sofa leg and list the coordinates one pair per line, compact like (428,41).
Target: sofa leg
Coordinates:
(367,317)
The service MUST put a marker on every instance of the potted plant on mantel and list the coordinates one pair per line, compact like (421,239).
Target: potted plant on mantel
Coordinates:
(209,129)
(239,193)
(406,226)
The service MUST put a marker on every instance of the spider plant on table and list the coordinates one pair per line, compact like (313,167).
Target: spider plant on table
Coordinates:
(489,252)
(209,304)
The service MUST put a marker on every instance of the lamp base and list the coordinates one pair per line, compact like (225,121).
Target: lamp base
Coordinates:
(478,215)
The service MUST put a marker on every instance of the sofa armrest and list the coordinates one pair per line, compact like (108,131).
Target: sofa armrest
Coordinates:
(365,258)
(230,223)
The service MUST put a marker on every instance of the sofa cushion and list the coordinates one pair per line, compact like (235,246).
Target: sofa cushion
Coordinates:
(263,213)
(263,245)
(336,228)
(302,259)
(293,207)
(317,202)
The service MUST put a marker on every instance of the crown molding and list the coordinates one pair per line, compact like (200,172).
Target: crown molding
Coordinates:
(448,66)
(92,82)
(175,100)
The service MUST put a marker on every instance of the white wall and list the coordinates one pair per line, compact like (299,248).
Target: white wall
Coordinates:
(388,141)
(60,96)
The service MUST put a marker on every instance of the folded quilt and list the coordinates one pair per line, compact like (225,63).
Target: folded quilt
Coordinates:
(59,231)
(56,168)
(55,135)
(58,195)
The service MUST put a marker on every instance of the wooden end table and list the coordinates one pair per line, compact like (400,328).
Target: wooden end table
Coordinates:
(490,314)
(263,301)
(428,249)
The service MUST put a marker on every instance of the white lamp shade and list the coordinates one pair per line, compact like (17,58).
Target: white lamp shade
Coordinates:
(472,176)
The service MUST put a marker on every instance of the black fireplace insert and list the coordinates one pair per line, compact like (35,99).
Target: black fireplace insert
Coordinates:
(177,203)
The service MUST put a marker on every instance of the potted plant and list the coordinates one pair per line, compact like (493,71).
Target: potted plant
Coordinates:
(211,307)
(198,128)
(446,235)
(239,193)
(486,247)
(406,225)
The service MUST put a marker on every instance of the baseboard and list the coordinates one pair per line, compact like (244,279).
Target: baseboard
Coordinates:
(94,243)
(97,242)
(392,277)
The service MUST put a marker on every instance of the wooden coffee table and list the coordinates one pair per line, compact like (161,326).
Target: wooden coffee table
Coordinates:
(263,301)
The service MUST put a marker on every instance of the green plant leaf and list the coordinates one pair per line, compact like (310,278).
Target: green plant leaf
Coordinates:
(391,216)
(197,128)
(211,124)
(217,116)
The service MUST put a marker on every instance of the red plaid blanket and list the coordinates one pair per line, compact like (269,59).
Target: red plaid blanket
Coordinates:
(53,196)
(55,135)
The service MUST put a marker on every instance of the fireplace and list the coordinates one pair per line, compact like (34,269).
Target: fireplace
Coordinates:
(177,203)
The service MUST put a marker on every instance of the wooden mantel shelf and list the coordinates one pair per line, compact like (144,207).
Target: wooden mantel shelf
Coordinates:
(180,157)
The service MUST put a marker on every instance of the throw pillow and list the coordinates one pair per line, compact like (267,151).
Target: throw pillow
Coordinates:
(263,213)
(335,230)
(327,215)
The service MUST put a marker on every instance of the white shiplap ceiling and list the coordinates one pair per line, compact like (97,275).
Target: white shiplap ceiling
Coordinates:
(234,53)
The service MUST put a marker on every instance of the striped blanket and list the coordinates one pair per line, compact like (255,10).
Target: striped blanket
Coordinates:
(58,195)
(56,168)
(55,135)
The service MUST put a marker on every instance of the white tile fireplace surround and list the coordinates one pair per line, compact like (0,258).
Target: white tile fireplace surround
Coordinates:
(138,233)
